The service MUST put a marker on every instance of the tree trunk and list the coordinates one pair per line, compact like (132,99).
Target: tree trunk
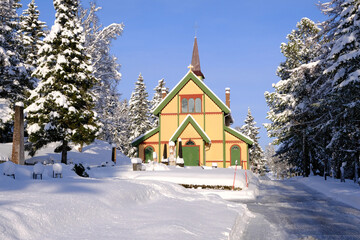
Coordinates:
(306,166)
(64,152)
(356,170)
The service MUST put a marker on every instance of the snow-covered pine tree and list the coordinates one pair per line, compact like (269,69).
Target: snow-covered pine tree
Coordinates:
(15,80)
(32,32)
(155,102)
(105,68)
(121,133)
(341,90)
(62,104)
(256,154)
(270,157)
(290,104)
(139,107)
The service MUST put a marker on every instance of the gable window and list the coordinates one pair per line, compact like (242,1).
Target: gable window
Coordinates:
(191,103)
(198,105)
(184,105)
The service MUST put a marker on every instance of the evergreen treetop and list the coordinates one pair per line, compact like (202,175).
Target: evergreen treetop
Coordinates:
(33,31)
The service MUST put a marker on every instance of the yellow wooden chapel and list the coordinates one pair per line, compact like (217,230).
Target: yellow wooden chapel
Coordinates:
(193,113)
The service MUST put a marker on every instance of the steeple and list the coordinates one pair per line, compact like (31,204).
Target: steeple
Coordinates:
(195,61)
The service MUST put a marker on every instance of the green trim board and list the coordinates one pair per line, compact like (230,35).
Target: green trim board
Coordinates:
(247,151)
(178,111)
(204,112)
(191,76)
(204,158)
(191,120)
(145,136)
(224,143)
(239,135)
(159,157)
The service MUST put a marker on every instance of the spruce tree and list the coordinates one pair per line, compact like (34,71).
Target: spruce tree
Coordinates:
(155,102)
(33,32)
(62,104)
(256,154)
(121,133)
(139,107)
(341,89)
(15,79)
(291,102)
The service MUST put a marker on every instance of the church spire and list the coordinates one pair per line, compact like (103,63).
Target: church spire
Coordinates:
(195,61)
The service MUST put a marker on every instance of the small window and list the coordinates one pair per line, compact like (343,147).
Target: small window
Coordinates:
(190,142)
(184,105)
(191,105)
(197,105)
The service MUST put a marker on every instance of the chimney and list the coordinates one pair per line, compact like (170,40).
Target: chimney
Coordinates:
(163,93)
(227,96)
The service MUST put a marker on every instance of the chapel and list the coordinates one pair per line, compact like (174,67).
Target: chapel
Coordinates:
(193,116)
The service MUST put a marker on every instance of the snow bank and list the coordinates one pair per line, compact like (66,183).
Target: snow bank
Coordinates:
(93,154)
(85,208)
(190,175)
(9,168)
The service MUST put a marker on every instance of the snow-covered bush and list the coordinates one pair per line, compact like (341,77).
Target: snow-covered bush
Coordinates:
(80,170)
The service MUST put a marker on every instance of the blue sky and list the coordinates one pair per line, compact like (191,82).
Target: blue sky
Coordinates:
(239,44)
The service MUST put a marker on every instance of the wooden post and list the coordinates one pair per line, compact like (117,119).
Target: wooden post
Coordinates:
(18,156)
(113,155)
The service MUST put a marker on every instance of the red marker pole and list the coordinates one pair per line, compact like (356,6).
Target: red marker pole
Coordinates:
(234,175)
(247,185)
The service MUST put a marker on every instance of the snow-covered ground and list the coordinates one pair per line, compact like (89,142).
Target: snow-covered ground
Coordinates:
(117,203)
(347,192)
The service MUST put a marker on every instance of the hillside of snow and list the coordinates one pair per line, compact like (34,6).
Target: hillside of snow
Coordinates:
(117,203)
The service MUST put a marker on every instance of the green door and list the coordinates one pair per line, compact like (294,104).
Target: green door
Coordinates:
(148,154)
(191,155)
(235,155)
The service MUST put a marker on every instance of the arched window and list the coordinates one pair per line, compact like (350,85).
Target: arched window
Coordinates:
(191,105)
(184,105)
(190,142)
(198,105)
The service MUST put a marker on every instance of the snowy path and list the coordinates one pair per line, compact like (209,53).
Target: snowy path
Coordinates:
(295,211)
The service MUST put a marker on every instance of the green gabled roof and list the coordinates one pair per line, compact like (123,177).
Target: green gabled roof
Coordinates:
(191,120)
(239,135)
(145,136)
(191,76)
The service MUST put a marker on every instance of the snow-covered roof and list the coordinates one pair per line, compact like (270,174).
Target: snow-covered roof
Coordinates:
(144,136)
(240,135)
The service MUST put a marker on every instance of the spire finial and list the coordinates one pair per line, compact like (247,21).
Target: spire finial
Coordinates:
(196,27)
(195,61)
